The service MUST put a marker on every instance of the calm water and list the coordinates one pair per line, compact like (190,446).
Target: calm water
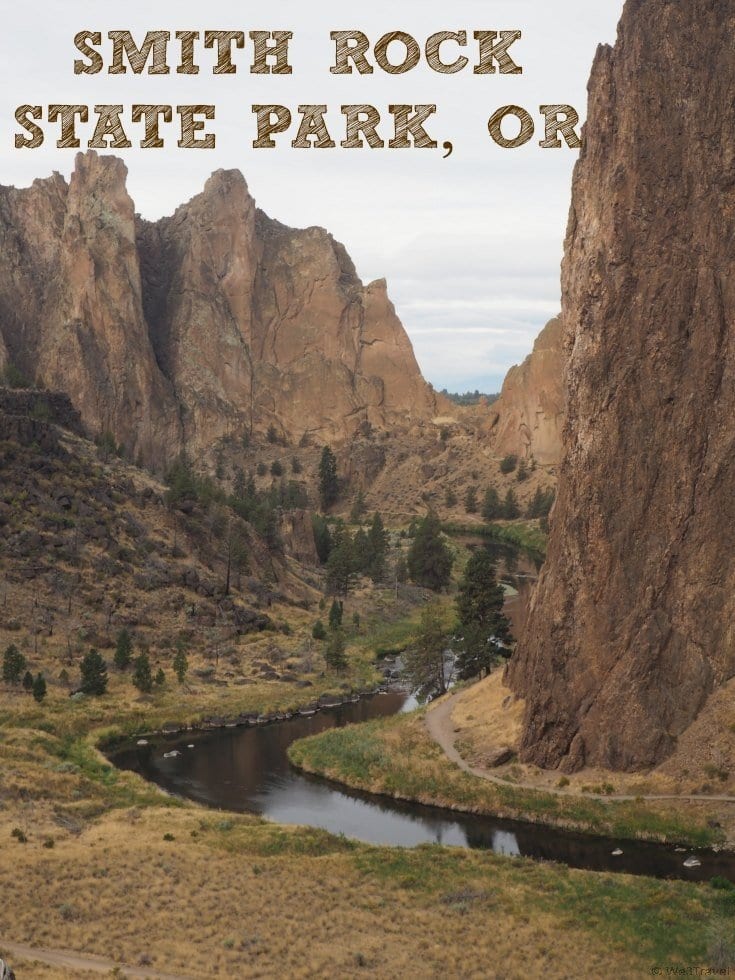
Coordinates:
(246,770)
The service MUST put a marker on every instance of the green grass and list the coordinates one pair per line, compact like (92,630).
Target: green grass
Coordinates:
(397,757)
(526,535)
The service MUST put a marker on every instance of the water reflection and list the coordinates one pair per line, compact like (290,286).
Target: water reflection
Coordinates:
(247,770)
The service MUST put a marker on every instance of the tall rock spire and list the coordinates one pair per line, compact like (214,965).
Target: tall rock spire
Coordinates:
(633,623)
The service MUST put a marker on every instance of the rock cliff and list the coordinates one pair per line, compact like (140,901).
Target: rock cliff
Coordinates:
(528,418)
(214,322)
(632,624)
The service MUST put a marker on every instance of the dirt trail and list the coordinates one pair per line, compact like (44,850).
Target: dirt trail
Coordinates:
(76,962)
(441,728)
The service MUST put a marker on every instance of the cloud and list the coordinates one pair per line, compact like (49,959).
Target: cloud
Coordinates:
(470,245)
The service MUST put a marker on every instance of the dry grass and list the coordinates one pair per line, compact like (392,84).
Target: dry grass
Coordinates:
(486,717)
(248,902)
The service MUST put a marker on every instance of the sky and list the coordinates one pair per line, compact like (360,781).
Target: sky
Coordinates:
(470,245)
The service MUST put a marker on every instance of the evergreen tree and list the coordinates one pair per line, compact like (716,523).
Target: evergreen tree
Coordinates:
(522,474)
(142,677)
(341,565)
(123,650)
(378,542)
(336,614)
(470,500)
(160,678)
(511,510)
(180,664)
(358,507)
(28,682)
(492,508)
(541,504)
(480,618)
(450,498)
(425,666)
(239,488)
(328,482)
(318,631)
(94,674)
(334,652)
(322,538)
(361,551)
(14,663)
(181,480)
(429,559)
(39,688)
(401,570)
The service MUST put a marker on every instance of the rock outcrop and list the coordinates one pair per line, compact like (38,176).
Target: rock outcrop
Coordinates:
(528,418)
(216,322)
(632,624)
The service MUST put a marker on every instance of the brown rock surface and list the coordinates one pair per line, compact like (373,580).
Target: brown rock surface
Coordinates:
(71,310)
(214,322)
(631,627)
(528,418)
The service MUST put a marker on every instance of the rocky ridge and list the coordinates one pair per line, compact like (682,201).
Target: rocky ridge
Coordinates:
(216,322)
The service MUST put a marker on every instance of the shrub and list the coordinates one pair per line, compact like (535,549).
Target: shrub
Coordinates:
(14,663)
(142,678)
(94,674)
(508,464)
(334,653)
(39,688)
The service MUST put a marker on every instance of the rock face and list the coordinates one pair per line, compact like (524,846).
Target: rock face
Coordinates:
(632,624)
(216,322)
(528,418)
(71,310)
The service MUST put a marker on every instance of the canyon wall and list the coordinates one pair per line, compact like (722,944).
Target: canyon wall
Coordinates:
(215,322)
(632,626)
(528,418)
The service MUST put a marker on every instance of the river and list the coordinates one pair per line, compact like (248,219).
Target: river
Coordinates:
(247,770)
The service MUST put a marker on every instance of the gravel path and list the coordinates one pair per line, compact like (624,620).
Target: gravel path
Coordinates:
(74,962)
(441,728)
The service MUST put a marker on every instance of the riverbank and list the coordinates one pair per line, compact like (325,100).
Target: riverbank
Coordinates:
(179,888)
(398,758)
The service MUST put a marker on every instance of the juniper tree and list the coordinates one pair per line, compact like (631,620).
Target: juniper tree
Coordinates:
(377,541)
(425,665)
(334,652)
(94,674)
(429,559)
(328,482)
(123,650)
(180,664)
(39,688)
(14,663)
(336,614)
(142,678)
(511,510)
(481,621)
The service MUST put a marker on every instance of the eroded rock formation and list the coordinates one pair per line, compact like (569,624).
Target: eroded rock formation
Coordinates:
(217,321)
(528,418)
(632,624)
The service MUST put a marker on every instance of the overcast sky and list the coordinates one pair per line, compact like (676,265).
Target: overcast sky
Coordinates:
(470,245)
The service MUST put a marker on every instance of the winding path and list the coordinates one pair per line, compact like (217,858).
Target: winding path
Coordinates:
(441,728)
(76,962)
